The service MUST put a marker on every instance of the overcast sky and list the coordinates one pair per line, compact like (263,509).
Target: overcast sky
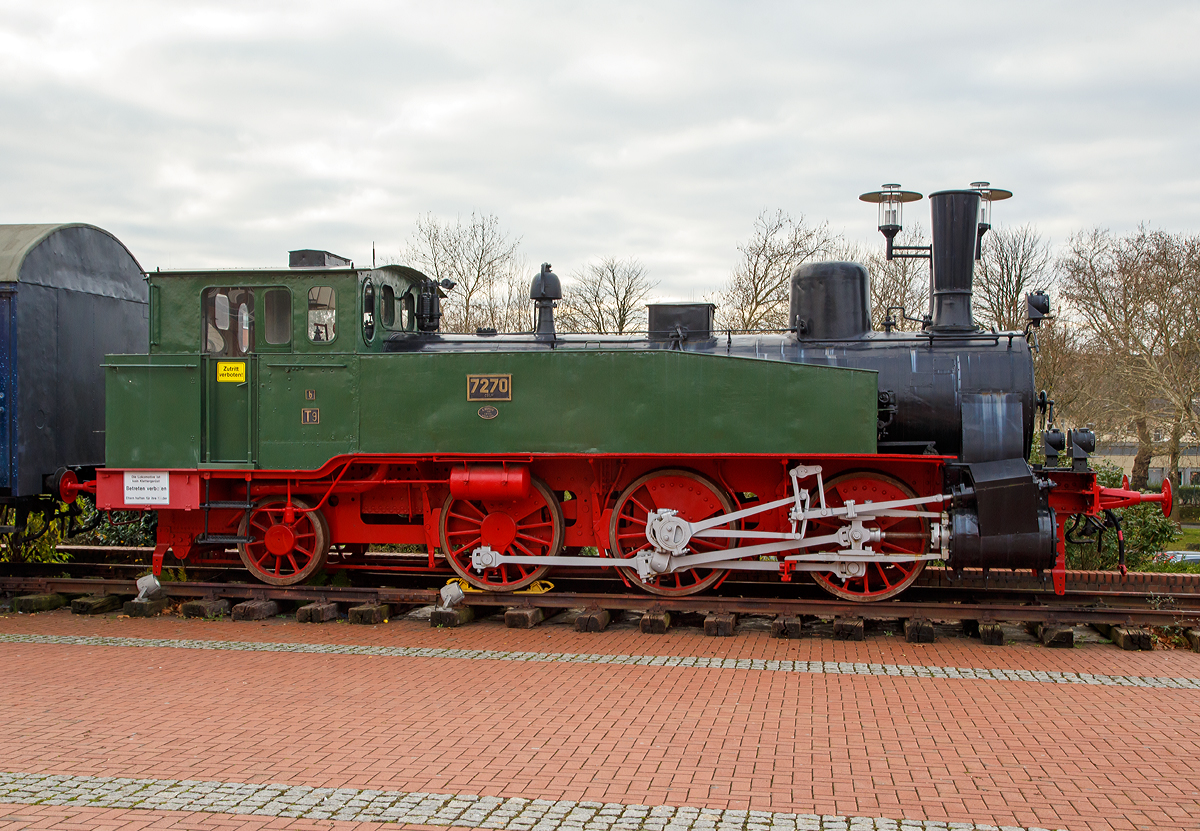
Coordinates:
(225,134)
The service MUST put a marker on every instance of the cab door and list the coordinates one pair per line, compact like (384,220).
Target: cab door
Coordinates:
(230,386)
(229,370)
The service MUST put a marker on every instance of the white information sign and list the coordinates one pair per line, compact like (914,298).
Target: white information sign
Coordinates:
(147,487)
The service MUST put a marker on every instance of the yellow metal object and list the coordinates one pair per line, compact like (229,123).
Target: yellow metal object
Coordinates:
(231,372)
(536,587)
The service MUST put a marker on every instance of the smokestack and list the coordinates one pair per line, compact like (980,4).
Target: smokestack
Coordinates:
(955,224)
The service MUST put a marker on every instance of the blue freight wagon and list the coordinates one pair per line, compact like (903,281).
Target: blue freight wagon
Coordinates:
(69,295)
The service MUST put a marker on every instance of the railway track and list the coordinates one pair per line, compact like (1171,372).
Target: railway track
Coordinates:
(1158,599)
(118,561)
(1087,607)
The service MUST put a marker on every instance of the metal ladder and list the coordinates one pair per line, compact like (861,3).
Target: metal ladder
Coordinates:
(244,506)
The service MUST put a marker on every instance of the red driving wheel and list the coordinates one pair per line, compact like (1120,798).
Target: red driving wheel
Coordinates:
(904,535)
(531,527)
(282,553)
(696,498)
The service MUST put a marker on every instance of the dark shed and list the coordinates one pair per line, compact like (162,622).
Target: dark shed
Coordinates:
(69,295)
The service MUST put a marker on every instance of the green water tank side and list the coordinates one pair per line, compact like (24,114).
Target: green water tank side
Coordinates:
(653,401)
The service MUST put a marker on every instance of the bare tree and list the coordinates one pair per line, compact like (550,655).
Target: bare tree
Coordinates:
(1173,358)
(1015,261)
(1136,299)
(1066,371)
(478,256)
(606,297)
(506,306)
(757,293)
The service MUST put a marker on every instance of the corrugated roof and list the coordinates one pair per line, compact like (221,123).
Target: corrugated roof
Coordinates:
(16,241)
(72,255)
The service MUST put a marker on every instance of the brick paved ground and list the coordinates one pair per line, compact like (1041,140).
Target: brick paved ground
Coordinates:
(996,752)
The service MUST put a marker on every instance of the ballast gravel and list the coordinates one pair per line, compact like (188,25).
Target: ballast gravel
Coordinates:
(490,812)
(808,667)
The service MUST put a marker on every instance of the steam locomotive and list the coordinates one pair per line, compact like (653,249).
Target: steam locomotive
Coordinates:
(306,414)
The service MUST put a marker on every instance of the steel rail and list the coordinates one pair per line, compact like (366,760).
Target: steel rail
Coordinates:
(995,582)
(1064,610)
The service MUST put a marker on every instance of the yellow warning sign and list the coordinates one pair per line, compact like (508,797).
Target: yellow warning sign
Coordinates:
(231,371)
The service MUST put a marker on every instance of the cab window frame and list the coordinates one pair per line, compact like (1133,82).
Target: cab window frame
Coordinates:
(276,317)
(370,306)
(387,306)
(235,307)
(325,296)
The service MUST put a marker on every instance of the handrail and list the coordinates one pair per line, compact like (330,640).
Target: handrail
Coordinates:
(304,366)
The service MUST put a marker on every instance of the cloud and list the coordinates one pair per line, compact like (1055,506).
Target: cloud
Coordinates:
(222,134)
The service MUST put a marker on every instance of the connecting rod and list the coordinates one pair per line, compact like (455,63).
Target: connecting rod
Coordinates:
(669,536)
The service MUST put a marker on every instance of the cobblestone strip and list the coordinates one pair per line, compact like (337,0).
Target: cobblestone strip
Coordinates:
(811,667)
(490,812)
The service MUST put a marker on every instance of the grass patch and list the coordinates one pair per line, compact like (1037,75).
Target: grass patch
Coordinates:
(1188,539)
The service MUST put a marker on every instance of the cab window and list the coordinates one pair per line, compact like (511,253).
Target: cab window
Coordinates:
(368,294)
(408,311)
(228,321)
(277,316)
(387,307)
(322,314)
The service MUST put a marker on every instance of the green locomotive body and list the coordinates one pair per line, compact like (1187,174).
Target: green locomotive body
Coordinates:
(289,402)
(299,412)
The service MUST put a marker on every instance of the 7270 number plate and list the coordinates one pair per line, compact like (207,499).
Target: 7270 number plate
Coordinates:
(489,388)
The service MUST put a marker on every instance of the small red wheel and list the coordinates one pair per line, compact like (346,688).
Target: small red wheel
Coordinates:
(67,486)
(696,498)
(280,553)
(905,535)
(531,527)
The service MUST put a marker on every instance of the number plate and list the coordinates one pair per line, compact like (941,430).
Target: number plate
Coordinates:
(310,415)
(489,388)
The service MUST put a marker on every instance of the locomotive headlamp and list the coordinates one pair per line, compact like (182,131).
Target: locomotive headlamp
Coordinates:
(987,195)
(1081,443)
(1053,443)
(891,210)
(1037,307)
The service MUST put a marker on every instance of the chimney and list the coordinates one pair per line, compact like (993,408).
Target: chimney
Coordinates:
(955,224)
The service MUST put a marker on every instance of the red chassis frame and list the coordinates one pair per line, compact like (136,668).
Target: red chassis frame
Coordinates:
(1078,492)
(351,491)
(381,499)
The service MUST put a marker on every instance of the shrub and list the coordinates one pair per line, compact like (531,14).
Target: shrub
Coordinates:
(1187,495)
(134,528)
(44,549)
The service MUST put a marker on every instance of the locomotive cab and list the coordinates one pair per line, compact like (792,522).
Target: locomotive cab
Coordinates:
(263,337)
